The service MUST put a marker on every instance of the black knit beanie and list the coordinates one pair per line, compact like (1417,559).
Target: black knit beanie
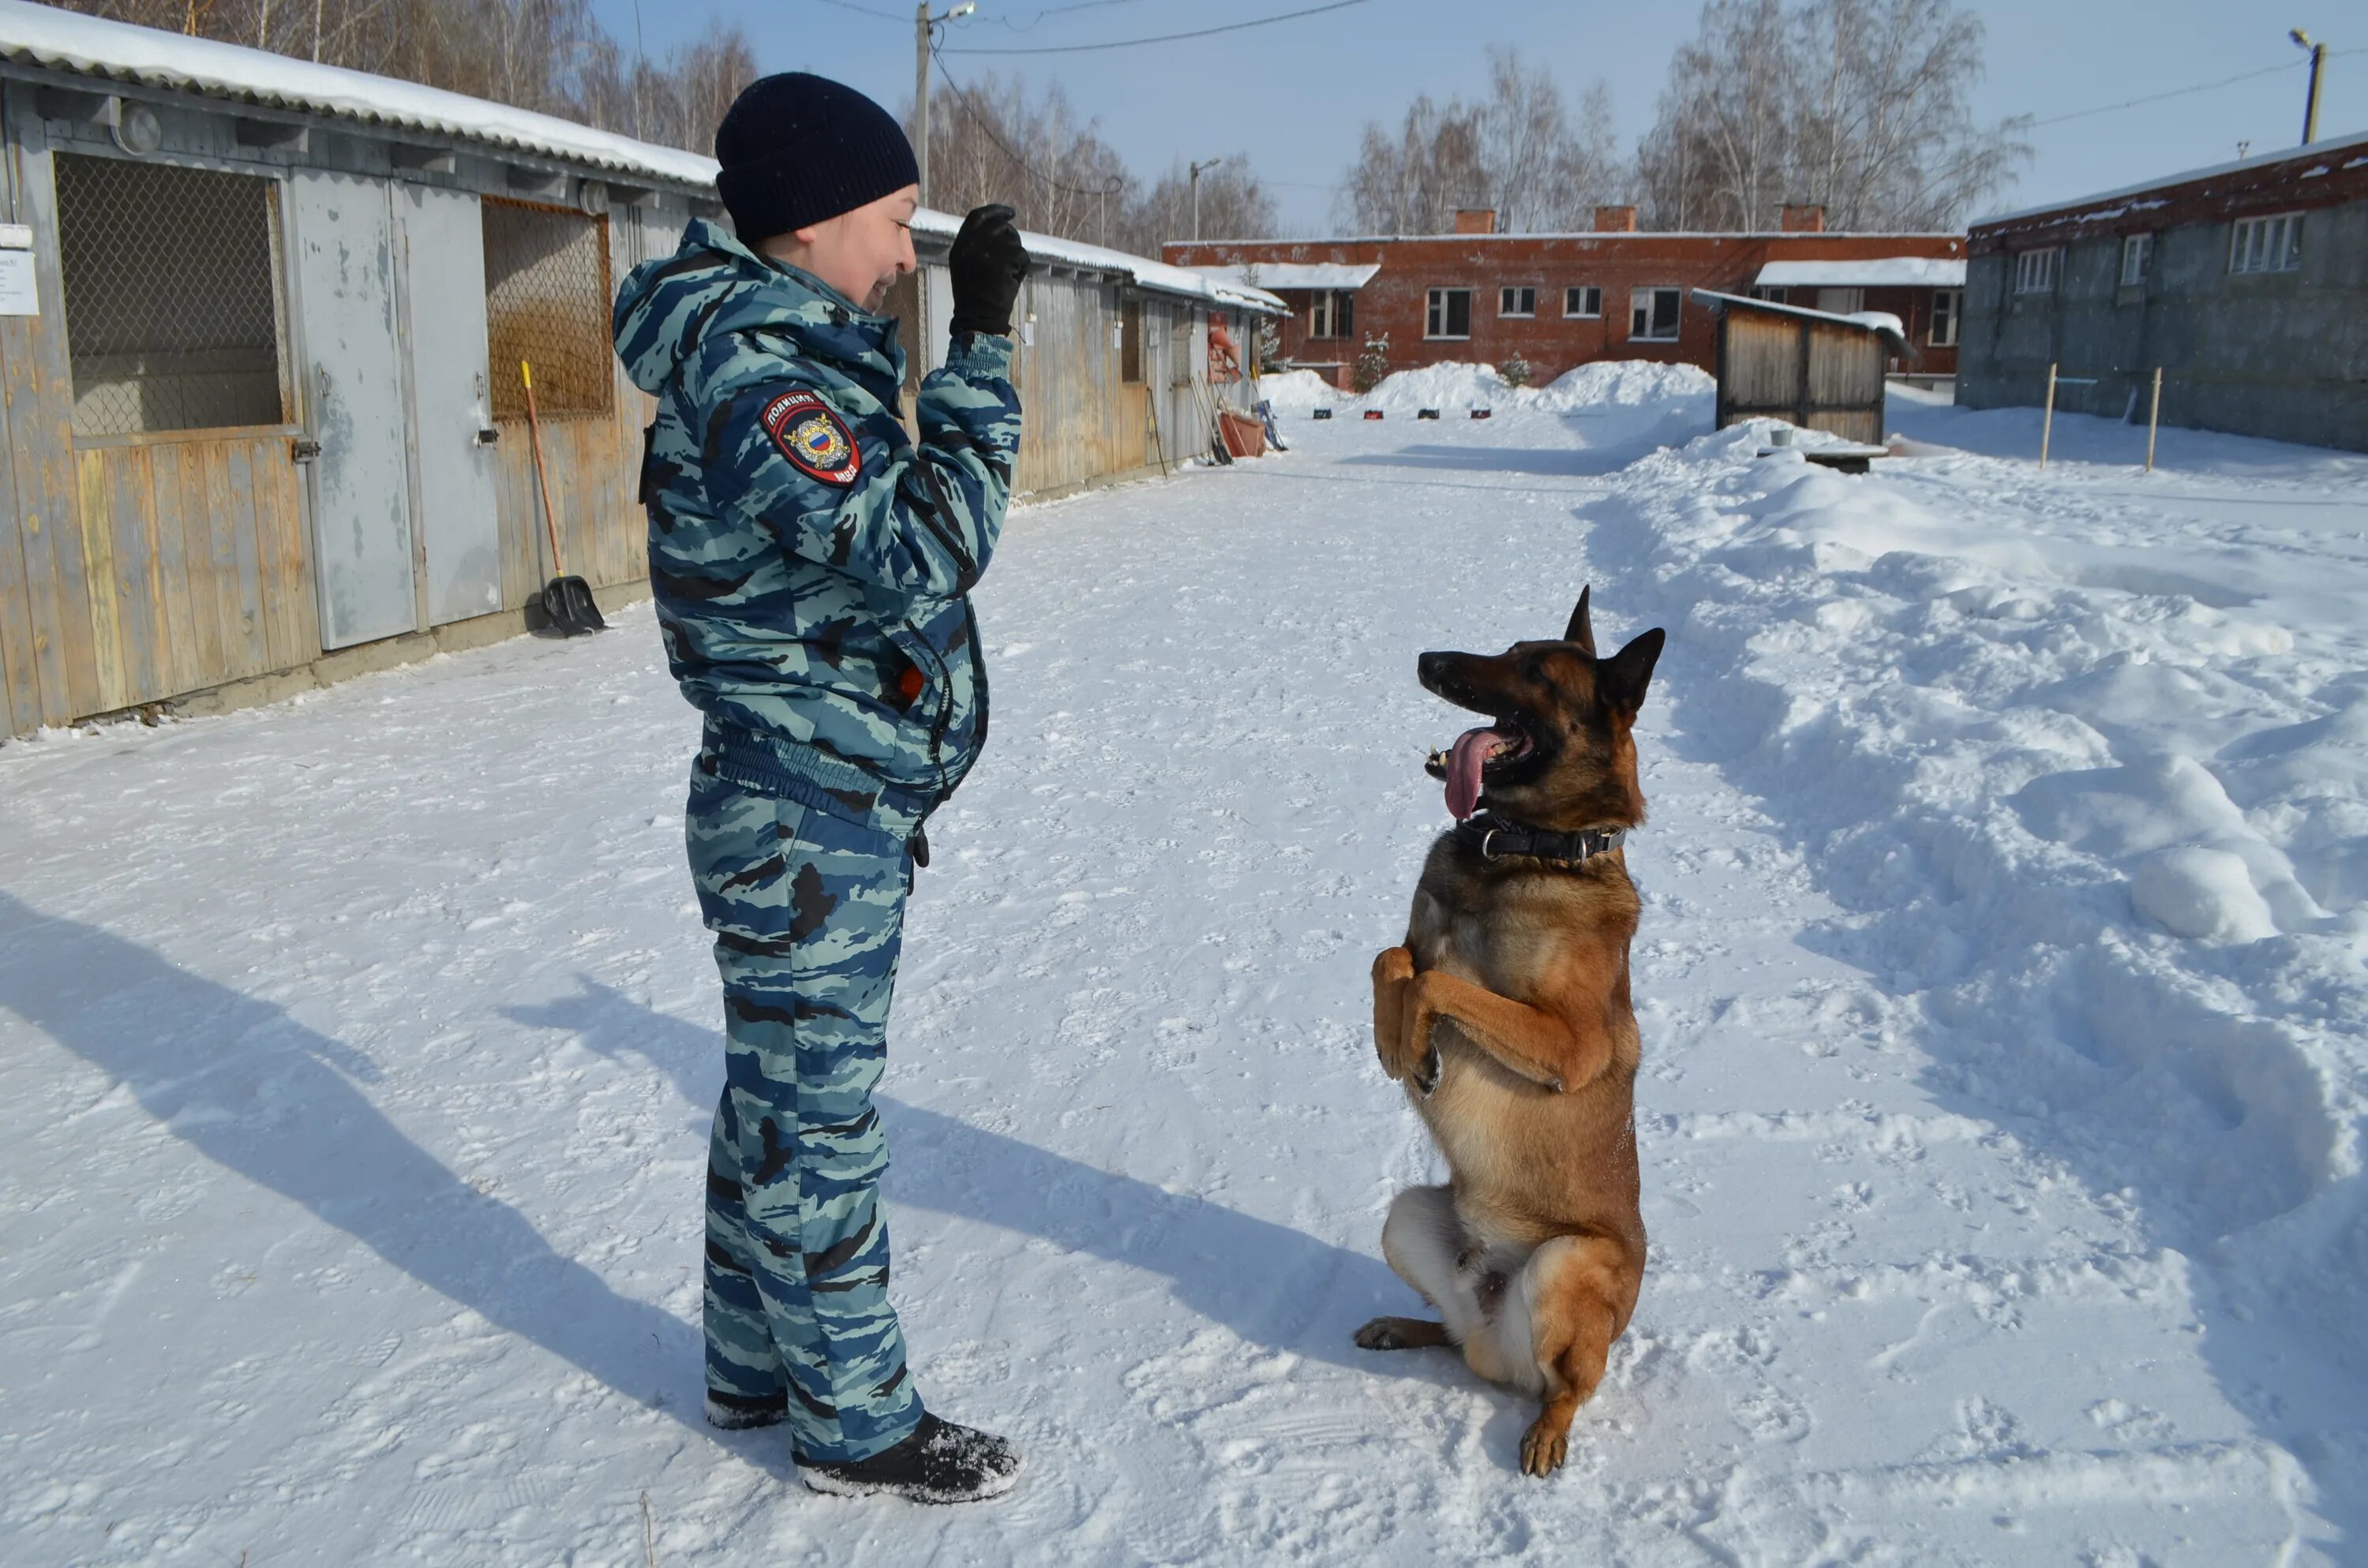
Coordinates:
(798,149)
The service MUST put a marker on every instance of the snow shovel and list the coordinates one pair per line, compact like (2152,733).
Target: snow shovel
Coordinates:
(566,601)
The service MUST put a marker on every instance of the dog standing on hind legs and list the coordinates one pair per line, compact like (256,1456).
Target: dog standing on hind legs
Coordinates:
(1506,1014)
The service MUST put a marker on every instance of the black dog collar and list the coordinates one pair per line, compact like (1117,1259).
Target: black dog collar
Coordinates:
(1494,837)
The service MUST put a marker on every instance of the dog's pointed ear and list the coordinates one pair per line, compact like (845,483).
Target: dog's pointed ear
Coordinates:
(1579,631)
(1622,678)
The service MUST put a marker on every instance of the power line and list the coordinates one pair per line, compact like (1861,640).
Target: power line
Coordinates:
(1164,38)
(1057,11)
(866,11)
(2174,93)
(986,125)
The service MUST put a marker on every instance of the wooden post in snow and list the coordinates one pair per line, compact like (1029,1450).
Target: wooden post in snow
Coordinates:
(2153,417)
(2047,419)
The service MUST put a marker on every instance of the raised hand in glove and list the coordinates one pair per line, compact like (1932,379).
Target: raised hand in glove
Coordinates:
(987,262)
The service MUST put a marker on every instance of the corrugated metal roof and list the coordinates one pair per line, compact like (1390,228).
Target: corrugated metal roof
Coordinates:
(2340,151)
(121,52)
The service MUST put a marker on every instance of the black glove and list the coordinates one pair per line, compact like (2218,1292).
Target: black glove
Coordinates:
(987,262)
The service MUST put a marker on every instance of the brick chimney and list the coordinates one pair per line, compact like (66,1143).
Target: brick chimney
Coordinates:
(1802,218)
(1615,219)
(1475,220)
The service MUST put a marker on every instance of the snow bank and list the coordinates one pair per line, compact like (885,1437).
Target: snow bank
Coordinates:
(2084,757)
(1297,391)
(1676,391)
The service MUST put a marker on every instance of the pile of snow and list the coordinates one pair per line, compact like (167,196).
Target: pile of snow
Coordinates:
(1298,391)
(1678,390)
(2084,758)
(1455,387)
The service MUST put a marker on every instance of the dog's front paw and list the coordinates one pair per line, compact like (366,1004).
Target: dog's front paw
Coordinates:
(1544,1447)
(1401,1334)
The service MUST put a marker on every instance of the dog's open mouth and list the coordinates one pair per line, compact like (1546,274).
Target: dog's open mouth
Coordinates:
(1474,750)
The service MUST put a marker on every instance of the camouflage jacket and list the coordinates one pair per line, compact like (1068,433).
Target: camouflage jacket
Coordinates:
(811,565)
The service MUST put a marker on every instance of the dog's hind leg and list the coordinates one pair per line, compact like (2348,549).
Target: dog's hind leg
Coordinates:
(1579,1291)
(1422,1240)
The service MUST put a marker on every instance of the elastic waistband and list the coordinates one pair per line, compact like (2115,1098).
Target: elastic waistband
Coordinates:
(792,772)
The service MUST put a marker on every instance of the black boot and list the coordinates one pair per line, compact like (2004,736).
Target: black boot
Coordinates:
(941,1462)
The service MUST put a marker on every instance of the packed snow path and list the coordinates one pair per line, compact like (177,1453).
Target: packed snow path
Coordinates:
(357,1053)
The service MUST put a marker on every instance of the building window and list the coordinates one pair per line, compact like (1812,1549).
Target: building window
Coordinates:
(2034,270)
(547,302)
(1841,302)
(1948,310)
(1652,315)
(178,336)
(2138,254)
(1774,294)
(2267,245)
(1582,303)
(1130,343)
(1521,302)
(1332,313)
(1450,314)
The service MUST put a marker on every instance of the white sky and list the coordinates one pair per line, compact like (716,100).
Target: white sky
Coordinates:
(1295,95)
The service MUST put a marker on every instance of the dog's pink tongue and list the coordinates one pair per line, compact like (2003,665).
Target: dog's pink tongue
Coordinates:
(1471,749)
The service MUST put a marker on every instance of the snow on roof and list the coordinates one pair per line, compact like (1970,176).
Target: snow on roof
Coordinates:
(92,46)
(1296,274)
(1882,272)
(2327,147)
(1145,272)
(120,52)
(1882,323)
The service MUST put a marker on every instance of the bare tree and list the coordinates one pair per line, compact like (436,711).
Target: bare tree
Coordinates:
(1545,173)
(1860,105)
(993,140)
(1884,136)
(1519,150)
(1234,206)
(1413,183)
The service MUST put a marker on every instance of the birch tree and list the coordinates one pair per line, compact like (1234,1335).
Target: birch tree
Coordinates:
(1521,151)
(1859,105)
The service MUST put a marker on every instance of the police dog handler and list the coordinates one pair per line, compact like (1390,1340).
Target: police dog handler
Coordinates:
(812,566)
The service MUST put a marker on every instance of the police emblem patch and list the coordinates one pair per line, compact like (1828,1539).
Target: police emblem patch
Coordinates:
(813,437)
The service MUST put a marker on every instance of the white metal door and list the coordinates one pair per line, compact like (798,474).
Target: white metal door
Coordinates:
(444,273)
(343,237)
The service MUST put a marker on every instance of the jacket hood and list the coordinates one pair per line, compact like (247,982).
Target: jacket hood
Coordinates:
(714,285)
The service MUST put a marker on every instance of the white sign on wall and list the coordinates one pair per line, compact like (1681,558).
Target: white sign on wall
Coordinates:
(17,294)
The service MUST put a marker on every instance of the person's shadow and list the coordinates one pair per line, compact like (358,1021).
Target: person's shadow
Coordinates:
(277,1103)
(1270,1285)
(262,1095)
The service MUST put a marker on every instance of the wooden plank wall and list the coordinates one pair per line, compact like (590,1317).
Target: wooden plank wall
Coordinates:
(52,665)
(197,550)
(1818,377)
(1079,421)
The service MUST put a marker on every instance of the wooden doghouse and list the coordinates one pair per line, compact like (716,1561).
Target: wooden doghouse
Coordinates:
(1816,369)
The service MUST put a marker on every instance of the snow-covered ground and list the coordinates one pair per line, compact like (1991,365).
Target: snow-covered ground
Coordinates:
(2001,979)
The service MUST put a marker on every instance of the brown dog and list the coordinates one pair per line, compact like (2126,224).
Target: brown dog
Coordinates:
(1507,1015)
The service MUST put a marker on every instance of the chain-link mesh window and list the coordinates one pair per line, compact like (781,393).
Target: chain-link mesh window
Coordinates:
(547,303)
(174,312)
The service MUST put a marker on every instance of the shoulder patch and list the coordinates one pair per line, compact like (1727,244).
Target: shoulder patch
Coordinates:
(813,437)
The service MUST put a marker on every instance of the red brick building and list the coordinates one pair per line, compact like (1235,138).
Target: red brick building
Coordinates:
(1563,300)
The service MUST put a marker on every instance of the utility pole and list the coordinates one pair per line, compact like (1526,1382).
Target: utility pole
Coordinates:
(1208,163)
(2317,69)
(924,24)
(921,93)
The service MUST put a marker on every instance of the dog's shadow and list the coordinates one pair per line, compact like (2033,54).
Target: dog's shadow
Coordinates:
(1269,1284)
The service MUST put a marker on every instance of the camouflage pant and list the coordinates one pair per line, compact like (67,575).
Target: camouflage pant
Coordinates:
(807,906)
